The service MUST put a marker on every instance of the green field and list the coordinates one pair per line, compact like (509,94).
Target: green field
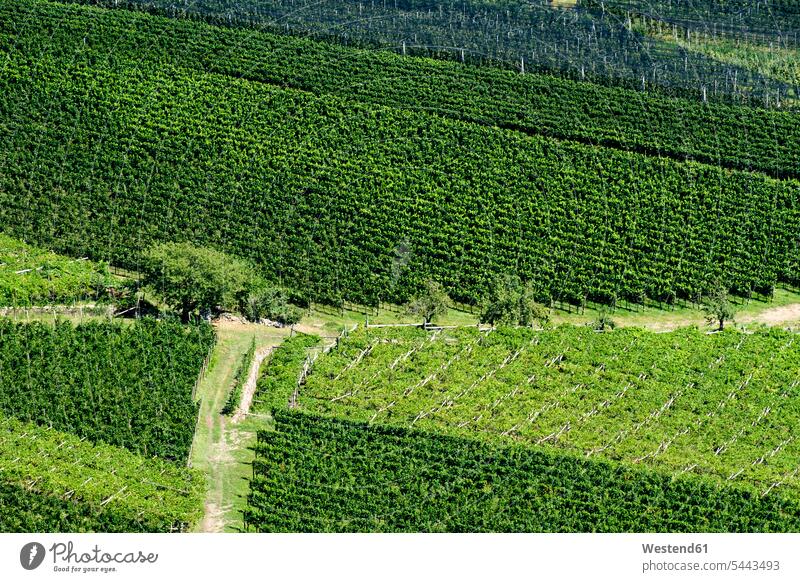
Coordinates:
(222,448)
(277,385)
(719,405)
(731,136)
(52,481)
(328,475)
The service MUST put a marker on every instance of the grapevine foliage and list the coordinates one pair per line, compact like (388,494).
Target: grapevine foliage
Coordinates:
(583,42)
(32,276)
(329,475)
(52,481)
(125,385)
(280,376)
(239,379)
(722,405)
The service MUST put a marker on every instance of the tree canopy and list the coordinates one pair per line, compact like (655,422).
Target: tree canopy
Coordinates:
(192,279)
(513,303)
(432,302)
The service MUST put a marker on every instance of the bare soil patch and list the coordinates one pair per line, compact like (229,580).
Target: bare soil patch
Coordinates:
(249,388)
(777,315)
(213,522)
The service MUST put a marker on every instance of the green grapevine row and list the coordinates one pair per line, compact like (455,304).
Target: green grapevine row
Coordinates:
(239,379)
(278,378)
(721,405)
(52,481)
(31,276)
(314,474)
(358,202)
(125,385)
(735,137)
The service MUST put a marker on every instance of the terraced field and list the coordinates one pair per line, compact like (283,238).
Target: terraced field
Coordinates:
(686,402)
(321,474)
(385,163)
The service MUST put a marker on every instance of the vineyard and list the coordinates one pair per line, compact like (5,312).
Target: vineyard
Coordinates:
(329,475)
(278,381)
(32,276)
(731,136)
(777,19)
(52,481)
(356,167)
(458,202)
(124,385)
(584,42)
(723,405)
(239,379)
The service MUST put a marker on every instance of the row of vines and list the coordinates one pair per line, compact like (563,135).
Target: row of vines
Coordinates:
(721,405)
(124,385)
(773,18)
(279,377)
(360,202)
(239,379)
(731,136)
(52,481)
(328,475)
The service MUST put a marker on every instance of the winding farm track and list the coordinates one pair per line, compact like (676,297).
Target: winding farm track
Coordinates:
(217,506)
(220,447)
(249,388)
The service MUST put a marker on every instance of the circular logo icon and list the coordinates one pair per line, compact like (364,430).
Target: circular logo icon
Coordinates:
(32,555)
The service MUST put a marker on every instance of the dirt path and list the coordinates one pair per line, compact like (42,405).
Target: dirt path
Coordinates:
(776,315)
(220,448)
(249,388)
(213,521)
(221,456)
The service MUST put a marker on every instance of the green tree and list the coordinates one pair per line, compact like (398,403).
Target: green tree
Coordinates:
(718,306)
(512,303)
(264,301)
(432,302)
(603,321)
(192,279)
(531,311)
